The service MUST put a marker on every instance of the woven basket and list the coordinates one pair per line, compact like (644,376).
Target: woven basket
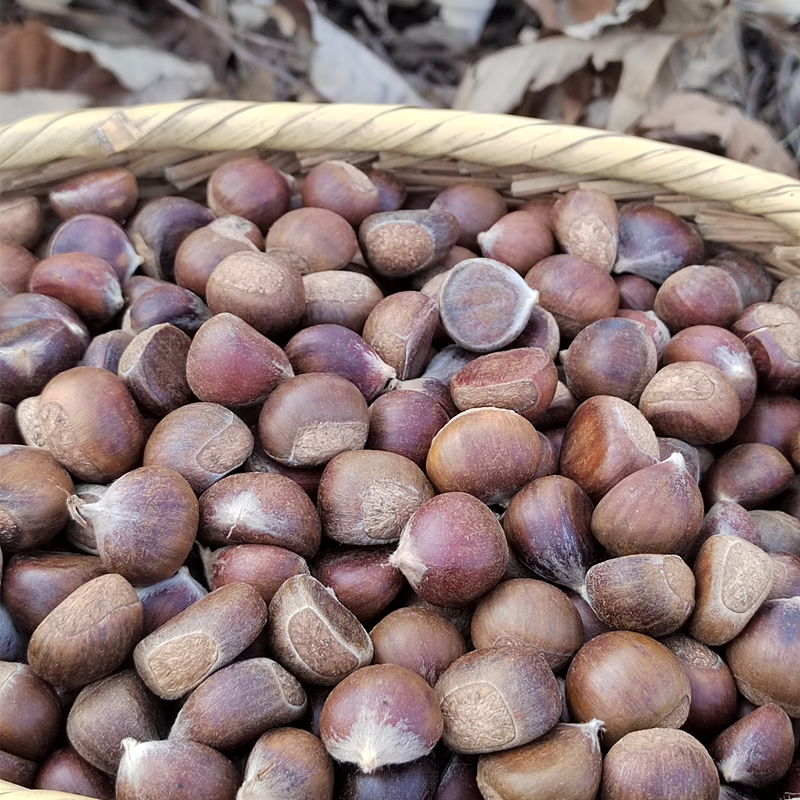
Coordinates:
(173,147)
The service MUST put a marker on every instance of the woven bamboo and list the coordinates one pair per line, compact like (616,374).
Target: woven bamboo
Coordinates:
(175,146)
(732,203)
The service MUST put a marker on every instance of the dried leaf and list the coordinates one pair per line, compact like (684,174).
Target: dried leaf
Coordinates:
(585,19)
(26,102)
(466,16)
(789,9)
(151,74)
(497,82)
(344,71)
(690,114)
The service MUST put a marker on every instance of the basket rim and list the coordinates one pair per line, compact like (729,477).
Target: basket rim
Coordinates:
(497,140)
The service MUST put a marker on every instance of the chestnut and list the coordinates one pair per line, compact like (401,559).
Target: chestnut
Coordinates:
(476,208)
(202,639)
(310,418)
(16,265)
(452,550)
(473,287)
(111,192)
(368,496)
(339,297)
(289,763)
(164,769)
(313,635)
(586,224)
(164,302)
(628,680)
(565,762)
(518,239)
(487,452)
(163,600)
(660,763)
(497,698)
(324,238)
(379,715)
(532,613)
(109,710)
(88,635)
(605,440)
(22,220)
(233,707)
(251,188)
(65,771)
(418,639)
(547,524)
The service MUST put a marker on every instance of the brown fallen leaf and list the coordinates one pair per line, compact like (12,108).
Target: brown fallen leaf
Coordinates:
(691,114)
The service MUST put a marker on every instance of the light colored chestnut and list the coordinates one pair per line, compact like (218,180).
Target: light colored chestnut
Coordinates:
(605,440)
(313,635)
(289,763)
(324,238)
(201,441)
(162,769)
(264,291)
(88,635)
(91,424)
(648,593)
(733,580)
(400,328)
(452,550)
(379,715)
(202,639)
(484,304)
(693,401)
(630,519)
(714,694)
(109,710)
(660,763)
(628,680)
(528,612)
(488,452)
(497,698)
(398,244)
(339,297)
(566,762)
(586,224)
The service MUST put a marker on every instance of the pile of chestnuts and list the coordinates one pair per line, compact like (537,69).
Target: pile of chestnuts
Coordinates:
(322,489)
